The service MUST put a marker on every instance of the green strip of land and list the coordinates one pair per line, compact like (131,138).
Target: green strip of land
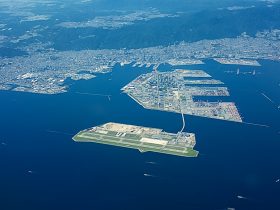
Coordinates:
(133,141)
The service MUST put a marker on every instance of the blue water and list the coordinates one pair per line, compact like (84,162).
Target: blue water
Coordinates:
(235,159)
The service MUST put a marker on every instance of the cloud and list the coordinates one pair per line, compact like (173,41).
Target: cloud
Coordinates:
(35,18)
(233,8)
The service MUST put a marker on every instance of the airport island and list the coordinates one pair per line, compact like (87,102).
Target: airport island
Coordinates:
(141,138)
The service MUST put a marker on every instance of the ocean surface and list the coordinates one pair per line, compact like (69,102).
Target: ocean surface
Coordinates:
(43,168)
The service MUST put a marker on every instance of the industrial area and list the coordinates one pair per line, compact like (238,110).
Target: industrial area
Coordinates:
(177,91)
